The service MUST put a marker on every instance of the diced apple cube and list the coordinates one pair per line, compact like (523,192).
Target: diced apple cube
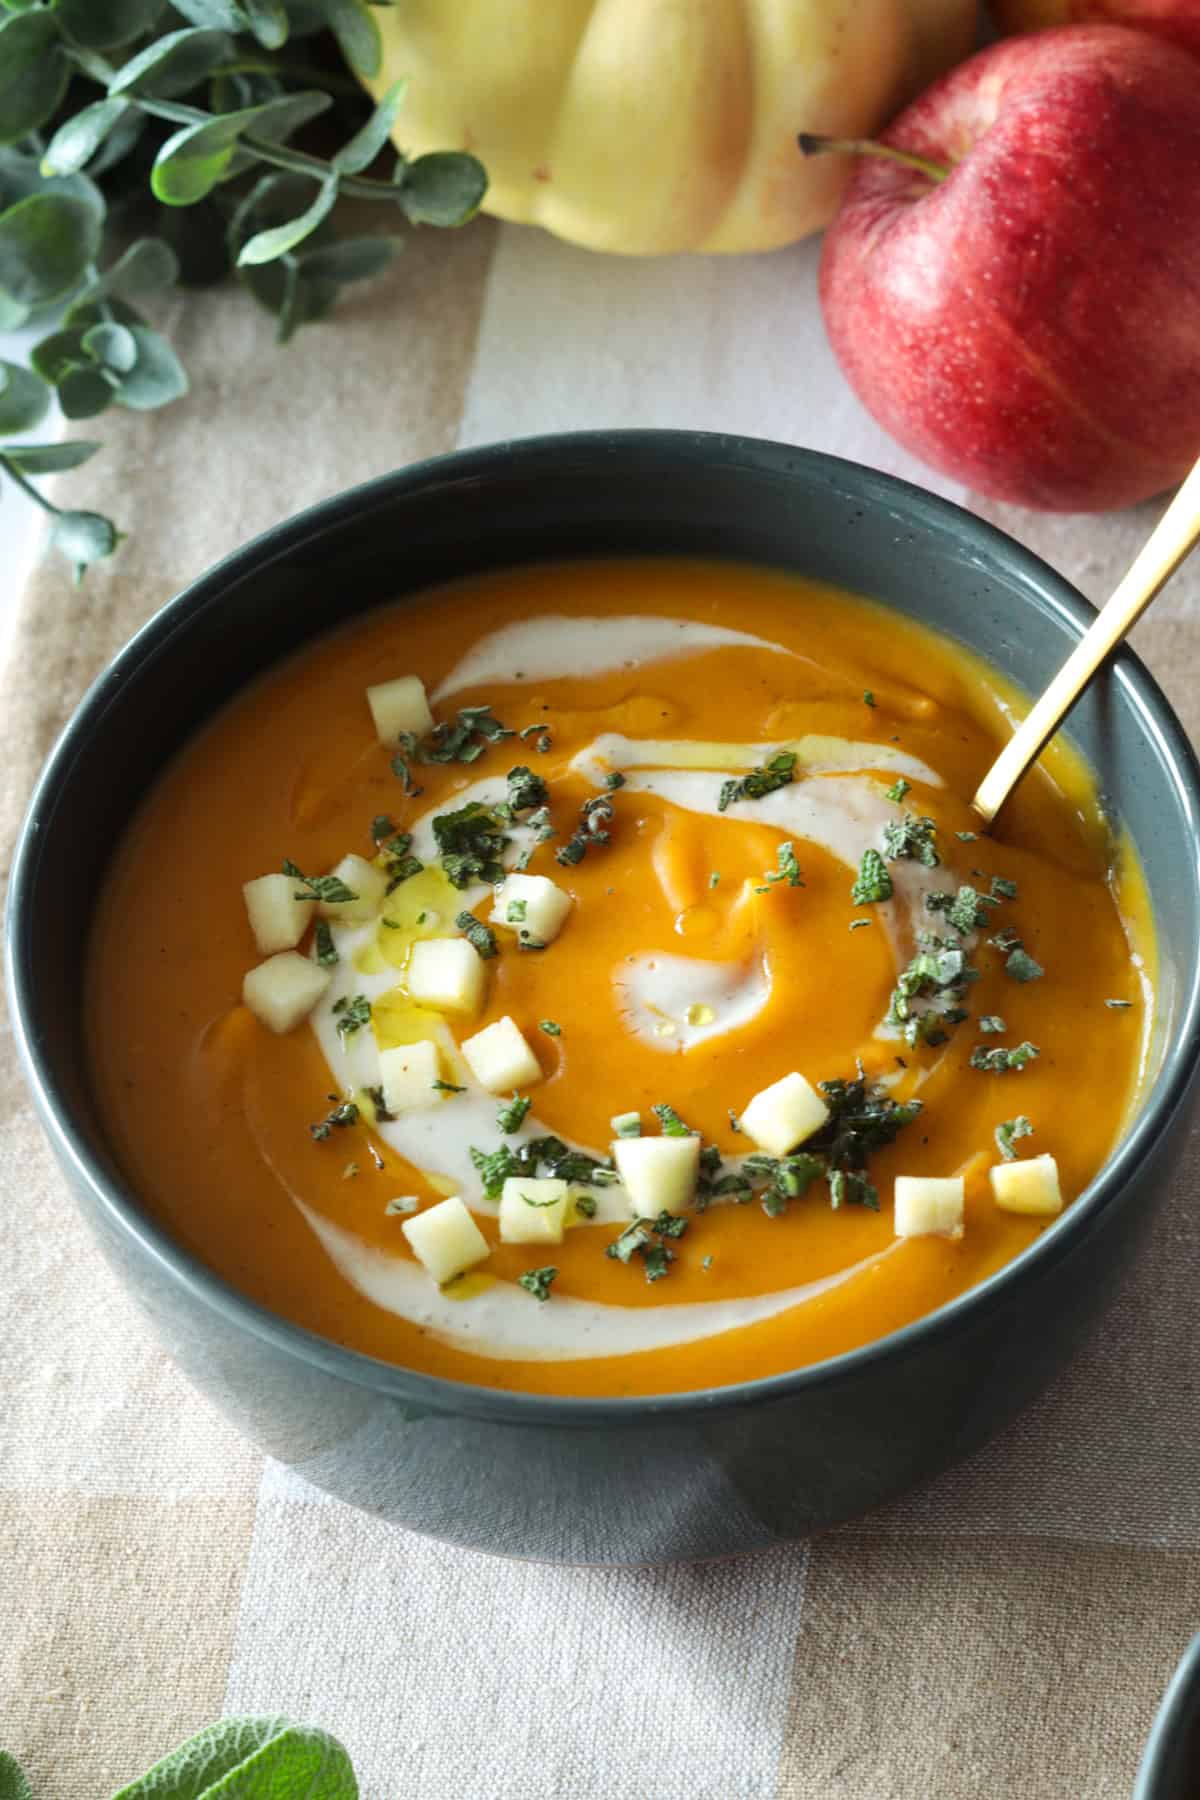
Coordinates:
(447,974)
(446,1239)
(929,1206)
(659,1172)
(531,905)
(499,1057)
(533,1212)
(784,1114)
(398,706)
(407,1075)
(1029,1186)
(284,989)
(368,885)
(277,919)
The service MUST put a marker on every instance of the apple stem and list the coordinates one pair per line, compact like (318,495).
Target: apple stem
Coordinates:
(820,146)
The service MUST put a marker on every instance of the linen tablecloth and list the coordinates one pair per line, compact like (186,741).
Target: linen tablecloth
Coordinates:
(1006,1631)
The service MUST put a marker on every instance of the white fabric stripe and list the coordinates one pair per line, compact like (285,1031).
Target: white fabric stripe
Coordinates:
(451,1674)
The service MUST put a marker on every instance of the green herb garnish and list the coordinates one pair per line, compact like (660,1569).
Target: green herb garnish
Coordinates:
(873,883)
(1007,1133)
(595,816)
(1000,1062)
(514,912)
(626,1125)
(966,910)
(868,697)
(466,740)
(551,1027)
(938,972)
(344,1113)
(788,869)
(382,827)
(670,1121)
(613,780)
(538,1282)
(1003,889)
(447,1087)
(379,1105)
(511,1115)
(352,1013)
(967,837)
(544,1156)
(330,889)
(540,733)
(857,924)
(525,789)
(911,838)
(326,948)
(1118,1005)
(992,1024)
(898,790)
(481,937)
(1022,967)
(760,781)
(470,843)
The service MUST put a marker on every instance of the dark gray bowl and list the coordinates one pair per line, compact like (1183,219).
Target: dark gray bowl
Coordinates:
(1170,1769)
(624,1481)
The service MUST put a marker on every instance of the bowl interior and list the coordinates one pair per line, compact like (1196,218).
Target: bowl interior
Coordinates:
(596,494)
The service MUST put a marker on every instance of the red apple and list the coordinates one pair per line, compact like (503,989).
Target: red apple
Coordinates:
(1178,20)
(1026,315)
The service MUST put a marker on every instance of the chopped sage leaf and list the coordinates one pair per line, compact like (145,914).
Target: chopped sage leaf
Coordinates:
(911,837)
(525,789)
(1118,1005)
(670,1121)
(470,844)
(379,1105)
(1022,967)
(1007,1133)
(626,1125)
(760,781)
(352,1013)
(511,1115)
(868,697)
(447,1087)
(1000,1062)
(1003,889)
(857,924)
(898,790)
(344,1113)
(328,888)
(481,937)
(326,949)
(873,883)
(992,1024)
(551,1027)
(538,1282)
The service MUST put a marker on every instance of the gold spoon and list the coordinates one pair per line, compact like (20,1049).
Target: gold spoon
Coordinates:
(1173,538)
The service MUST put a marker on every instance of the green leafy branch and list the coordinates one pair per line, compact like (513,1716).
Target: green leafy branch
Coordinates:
(101,131)
(237,1759)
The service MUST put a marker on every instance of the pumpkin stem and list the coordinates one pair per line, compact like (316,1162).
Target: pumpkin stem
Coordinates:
(820,146)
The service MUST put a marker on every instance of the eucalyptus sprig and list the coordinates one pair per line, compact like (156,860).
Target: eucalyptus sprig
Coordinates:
(115,115)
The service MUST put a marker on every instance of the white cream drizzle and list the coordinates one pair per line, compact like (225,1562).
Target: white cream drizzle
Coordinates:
(551,646)
(501,1322)
(836,806)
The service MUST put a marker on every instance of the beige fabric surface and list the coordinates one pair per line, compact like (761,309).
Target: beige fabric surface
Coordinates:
(1007,1631)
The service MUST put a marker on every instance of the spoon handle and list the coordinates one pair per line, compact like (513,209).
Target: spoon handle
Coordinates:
(1173,538)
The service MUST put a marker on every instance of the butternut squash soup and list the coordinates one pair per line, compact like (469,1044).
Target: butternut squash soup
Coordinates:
(589,979)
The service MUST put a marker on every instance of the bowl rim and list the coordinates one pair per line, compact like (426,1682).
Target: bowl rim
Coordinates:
(142,1234)
(1178,1709)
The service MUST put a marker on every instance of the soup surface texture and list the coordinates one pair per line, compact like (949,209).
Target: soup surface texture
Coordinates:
(751,796)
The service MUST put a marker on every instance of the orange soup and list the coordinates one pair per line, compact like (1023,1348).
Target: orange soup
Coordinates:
(588,979)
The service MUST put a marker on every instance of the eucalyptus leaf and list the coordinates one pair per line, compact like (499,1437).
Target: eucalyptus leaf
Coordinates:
(157,376)
(46,245)
(111,344)
(145,267)
(366,144)
(78,138)
(59,353)
(108,24)
(83,538)
(265,246)
(445,187)
(33,73)
(24,400)
(13,1784)
(49,459)
(193,161)
(251,1759)
(350,259)
(85,393)
(21,176)
(119,142)
(356,31)
(173,64)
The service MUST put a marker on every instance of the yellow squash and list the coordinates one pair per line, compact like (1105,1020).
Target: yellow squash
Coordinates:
(649,126)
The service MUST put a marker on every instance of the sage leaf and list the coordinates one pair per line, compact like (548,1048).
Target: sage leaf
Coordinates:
(192,161)
(265,246)
(443,188)
(157,376)
(13,1782)
(250,1759)
(356,31)
(366,144)
(49,459)
(113,345)
(78,138)
(46,245)
(83,393)
(24,399)
(33,73)
(108,24)
(173,64)
(83,538)
(350,259)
